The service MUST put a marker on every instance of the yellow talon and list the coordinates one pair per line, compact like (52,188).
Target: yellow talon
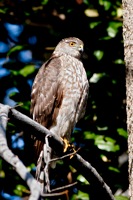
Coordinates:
(66,144)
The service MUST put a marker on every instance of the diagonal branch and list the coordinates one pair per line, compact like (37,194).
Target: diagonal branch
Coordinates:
(12,159)
(56,143)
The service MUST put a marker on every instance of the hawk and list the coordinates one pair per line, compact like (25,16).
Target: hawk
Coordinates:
(60,91)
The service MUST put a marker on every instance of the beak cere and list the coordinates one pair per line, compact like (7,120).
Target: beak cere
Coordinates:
(81,48)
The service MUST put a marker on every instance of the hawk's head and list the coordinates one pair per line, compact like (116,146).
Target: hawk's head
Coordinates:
(71,46)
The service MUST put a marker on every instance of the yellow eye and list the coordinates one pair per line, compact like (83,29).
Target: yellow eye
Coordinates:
(72,44)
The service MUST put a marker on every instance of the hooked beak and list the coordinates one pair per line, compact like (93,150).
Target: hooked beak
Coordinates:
(81,48)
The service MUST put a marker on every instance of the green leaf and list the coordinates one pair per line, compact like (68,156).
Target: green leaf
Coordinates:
(82,179)
(98,54)
(89,135)
(44,2)
(113,28)
(105,128)
(94,24)
(15,48)
(3,11)
(106,4)
(30,167)
(120,197)
(25,105)
(122,132)
(106,143)
(14,72)
(17,192)
(27,70)
(2,174)
(119,12)
(80,196)
(96,77)
(114,169)
(119,61)
(21,187)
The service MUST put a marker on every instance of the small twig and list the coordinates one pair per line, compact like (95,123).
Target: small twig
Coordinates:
(64,187)
(55,194)
(62,157)
(17,105)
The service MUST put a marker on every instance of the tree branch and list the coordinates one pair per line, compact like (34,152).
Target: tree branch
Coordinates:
(56,143)
(92,176)
(12,159)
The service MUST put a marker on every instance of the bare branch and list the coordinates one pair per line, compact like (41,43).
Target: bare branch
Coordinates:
(12,159)
(56,143)
(92,176)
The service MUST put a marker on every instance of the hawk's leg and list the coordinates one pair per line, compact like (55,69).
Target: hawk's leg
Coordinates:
(39,170)
(47,157)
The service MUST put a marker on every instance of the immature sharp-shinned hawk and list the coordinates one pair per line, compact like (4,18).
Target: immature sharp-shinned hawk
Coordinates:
(60,90)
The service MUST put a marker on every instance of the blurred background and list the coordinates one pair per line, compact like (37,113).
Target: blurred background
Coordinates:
(29,31)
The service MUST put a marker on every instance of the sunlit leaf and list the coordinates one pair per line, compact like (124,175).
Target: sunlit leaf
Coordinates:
(89,135)
(2,174)
(106,4)
(82,179)
(106,143)
(30,167)
(119,61)
(114,169)
(96,77)
(119,12)
(17,192)
(122,132)
(102,128)
(15,48)
(94,24)
(113,28)
(98,54)
(27,70)
(21,187)
(105,38)
(104,158)
(81,196)
(120,197)
(73,170)
(91,13)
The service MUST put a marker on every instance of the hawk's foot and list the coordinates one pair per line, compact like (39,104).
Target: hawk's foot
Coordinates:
(66,144)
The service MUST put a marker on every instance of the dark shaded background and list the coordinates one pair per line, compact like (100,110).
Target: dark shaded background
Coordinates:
(29,31)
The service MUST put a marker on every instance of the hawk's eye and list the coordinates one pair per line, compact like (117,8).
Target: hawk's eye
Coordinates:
(72,44)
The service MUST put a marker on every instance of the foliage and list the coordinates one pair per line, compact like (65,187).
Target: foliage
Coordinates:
(27,38)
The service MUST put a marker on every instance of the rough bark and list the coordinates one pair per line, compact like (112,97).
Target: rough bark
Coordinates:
(128,56)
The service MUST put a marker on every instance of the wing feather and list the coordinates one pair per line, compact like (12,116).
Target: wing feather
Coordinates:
(46,96)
